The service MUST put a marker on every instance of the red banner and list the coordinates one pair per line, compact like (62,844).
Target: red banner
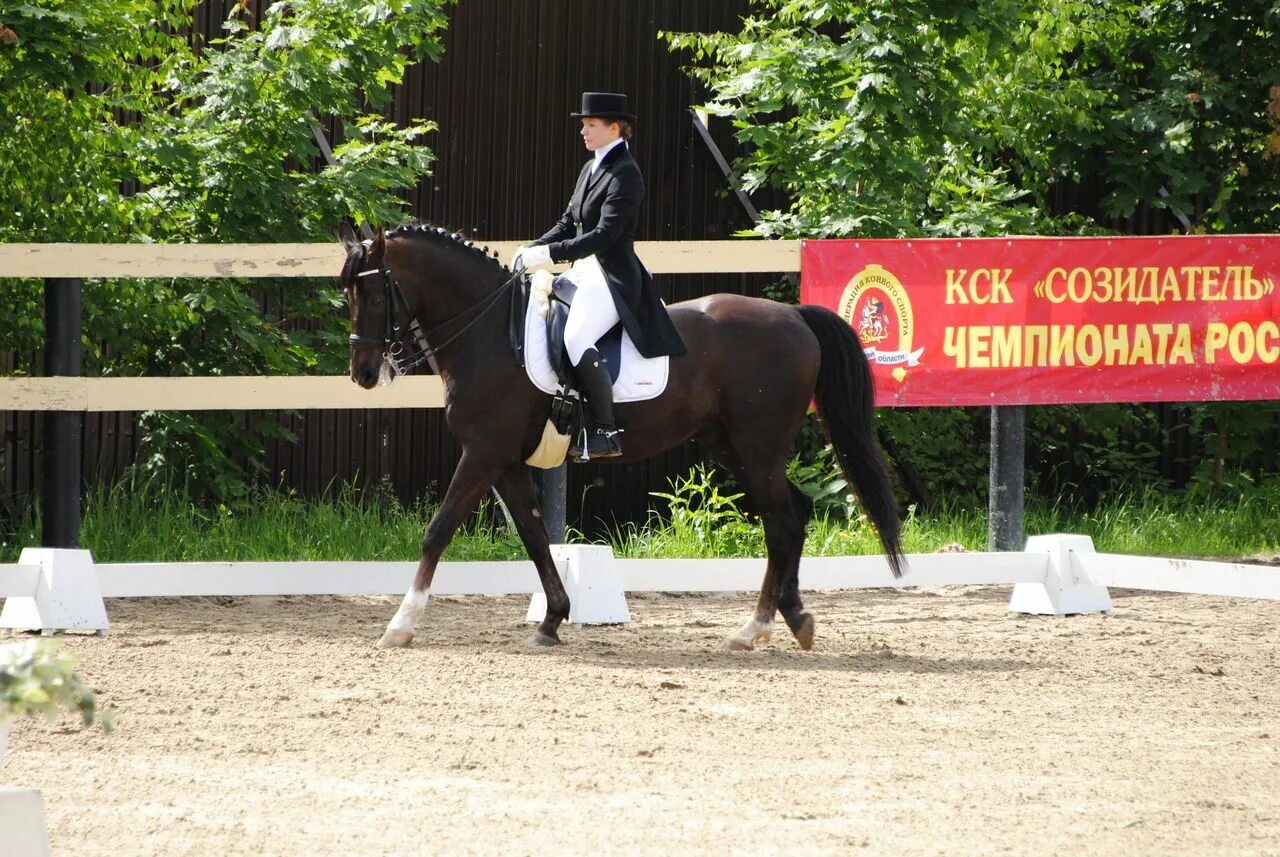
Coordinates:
(1003,321)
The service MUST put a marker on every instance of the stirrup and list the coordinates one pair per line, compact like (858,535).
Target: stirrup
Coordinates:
(597,443)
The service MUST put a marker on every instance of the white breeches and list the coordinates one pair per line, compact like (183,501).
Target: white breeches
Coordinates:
(593,313)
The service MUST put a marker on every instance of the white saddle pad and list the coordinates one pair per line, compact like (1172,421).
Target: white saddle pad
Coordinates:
(640,377)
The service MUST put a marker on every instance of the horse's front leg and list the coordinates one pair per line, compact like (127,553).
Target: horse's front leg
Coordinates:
(474,476)
(517,491)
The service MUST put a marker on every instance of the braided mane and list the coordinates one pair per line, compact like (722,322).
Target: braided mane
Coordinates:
(427,232)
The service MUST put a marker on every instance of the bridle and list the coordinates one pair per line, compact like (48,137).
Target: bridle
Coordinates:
(404,346)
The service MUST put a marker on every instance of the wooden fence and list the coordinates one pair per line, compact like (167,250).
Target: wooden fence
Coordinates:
(65,396)
(54,261)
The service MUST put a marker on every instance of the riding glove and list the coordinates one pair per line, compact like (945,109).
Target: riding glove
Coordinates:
(532,257)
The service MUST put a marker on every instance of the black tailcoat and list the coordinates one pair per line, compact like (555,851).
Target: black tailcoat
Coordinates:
(601,221)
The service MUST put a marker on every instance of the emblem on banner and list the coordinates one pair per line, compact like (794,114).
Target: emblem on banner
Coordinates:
(877,307)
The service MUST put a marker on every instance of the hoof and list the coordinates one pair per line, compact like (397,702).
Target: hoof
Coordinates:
(803,630)
(749,634)
(541,640)
(395,639)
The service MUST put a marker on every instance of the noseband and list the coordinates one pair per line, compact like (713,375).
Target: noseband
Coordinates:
(404,346)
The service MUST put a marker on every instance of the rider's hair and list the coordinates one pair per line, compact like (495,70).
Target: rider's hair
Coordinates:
(624,128)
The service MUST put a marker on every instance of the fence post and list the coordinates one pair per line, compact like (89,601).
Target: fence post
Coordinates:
(552,486)
(1008,458)
(60,486)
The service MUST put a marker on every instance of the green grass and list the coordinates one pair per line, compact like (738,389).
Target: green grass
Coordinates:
(127,526)
(1156,524)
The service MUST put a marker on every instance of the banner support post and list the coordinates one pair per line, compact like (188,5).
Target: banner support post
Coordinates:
(1008,459)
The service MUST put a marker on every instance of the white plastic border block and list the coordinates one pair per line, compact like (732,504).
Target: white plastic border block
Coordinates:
(591,580)
(1066,589)
(22,826)
(66,594)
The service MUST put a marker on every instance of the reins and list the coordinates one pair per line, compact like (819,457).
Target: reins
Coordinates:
(401,358)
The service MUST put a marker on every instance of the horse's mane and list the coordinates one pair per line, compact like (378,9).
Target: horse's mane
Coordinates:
(427,232)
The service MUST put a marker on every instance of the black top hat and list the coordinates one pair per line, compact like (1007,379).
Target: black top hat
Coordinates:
(604,105)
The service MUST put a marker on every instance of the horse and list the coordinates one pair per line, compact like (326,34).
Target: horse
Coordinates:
(752,368)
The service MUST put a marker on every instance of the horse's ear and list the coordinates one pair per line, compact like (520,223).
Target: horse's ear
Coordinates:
(379,243)
(348,236)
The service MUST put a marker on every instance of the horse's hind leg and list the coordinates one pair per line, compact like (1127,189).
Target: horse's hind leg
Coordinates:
(760,626)
(516,489)
(472,478)
(784,529)
(799,620)
(785,511)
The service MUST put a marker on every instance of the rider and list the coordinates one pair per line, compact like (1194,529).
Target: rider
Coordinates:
(597,233)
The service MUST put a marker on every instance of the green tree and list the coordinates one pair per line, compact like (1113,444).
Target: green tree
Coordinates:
(959,117)
(115,128)
(902,118)
(1192,117)
(897,119)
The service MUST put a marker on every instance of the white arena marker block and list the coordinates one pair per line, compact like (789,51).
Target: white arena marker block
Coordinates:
(66,594)
(591,580)
(1066,589)
(22,825)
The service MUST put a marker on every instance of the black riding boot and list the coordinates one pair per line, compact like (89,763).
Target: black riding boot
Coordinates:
(603,435)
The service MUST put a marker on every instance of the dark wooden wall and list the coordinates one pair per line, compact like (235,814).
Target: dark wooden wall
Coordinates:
(508,154)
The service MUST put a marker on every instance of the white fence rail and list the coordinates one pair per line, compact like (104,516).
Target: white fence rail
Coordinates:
(1197,577)
(163,579)
(226,393)
(68,261)
(843,572)
(72,261)
(135,580)
(17,580)
(60,589)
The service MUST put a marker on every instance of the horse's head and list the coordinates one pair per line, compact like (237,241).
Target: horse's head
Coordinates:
(392,277)
(366,288)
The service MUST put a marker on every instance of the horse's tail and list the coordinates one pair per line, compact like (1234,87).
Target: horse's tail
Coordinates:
(846,403)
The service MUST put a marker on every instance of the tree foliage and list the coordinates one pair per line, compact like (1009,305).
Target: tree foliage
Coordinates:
(904,118)
(116,127)
(897,118)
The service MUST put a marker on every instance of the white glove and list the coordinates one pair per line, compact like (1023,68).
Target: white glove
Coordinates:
(532,257)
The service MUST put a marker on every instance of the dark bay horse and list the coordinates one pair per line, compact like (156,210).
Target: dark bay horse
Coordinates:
(742,390)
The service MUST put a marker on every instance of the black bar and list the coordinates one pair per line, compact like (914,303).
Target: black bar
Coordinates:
(325,149)
(552,486)
(725,169)
(60,494)
(1008,457)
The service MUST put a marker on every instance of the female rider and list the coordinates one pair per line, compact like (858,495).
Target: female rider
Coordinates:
(597,234)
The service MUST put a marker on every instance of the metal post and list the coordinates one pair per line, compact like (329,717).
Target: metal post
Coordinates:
(1008,455)
(60,494)
(552,486)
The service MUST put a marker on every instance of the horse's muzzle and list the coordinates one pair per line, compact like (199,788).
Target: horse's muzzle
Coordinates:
(365,367)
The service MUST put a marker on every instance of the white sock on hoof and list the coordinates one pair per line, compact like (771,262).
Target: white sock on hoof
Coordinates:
(753,632)
(411,609)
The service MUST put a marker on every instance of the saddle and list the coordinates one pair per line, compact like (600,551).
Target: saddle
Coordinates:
(559,302)
(539,313)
